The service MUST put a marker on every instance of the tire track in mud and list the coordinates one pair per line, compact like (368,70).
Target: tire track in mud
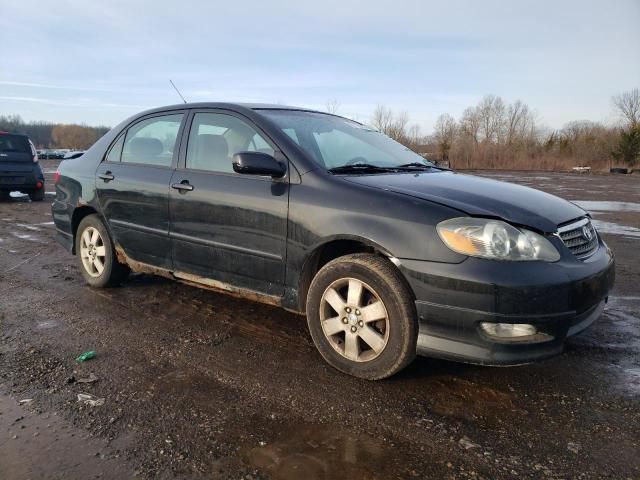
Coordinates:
(190,311)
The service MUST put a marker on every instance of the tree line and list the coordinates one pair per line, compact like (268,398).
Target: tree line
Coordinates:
(501,135)
(491,134)
(53,135)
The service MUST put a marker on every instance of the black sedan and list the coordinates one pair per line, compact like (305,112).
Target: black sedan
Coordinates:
(386,254)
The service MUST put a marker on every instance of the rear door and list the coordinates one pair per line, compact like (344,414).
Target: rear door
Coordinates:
(16,161)
(226,226)
(133,186)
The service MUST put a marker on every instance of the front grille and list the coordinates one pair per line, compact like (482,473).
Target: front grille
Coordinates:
(580,237)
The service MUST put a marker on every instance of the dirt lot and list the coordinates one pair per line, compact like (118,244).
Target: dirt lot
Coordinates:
(197,384)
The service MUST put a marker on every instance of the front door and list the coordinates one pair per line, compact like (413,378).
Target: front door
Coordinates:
(225,226)
(133,187)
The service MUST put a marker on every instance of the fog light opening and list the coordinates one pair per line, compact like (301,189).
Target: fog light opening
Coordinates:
(508,330)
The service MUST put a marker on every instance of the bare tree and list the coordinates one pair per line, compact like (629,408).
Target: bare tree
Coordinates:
(398,128)
(628,106)
(444,135)
(382,119)
(491,111)
(332,105)
(520,123)
(392,125)
(414,137)
(470,123)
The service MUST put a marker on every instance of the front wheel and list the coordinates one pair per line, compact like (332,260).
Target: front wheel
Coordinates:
(362,317)
(94,248)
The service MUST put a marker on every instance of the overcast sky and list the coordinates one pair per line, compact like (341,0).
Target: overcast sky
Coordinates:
(97,62)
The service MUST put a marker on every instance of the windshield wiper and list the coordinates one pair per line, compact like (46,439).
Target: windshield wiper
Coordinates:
(415,165)
(360,167)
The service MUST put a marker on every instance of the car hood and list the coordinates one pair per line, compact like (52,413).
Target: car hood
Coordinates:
(479,196)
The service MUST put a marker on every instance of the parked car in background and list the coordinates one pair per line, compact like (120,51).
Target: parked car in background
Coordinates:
(386,254)
(73,154)
(19,167)
(53,154)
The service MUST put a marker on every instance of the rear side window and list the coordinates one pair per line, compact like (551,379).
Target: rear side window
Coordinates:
(152,141)
(14,144)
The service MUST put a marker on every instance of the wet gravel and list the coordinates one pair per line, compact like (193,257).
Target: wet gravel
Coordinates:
(201,385)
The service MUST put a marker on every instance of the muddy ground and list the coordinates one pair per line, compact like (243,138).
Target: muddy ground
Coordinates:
(201,385)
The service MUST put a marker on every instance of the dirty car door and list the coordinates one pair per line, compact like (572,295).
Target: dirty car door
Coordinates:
(133,187)
(225,226)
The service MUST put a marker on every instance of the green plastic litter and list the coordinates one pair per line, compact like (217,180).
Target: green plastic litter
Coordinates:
(86,356)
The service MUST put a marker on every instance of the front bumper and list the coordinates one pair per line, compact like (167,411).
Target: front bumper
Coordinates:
(560,299)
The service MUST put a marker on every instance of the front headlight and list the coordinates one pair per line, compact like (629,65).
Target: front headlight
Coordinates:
(480,237)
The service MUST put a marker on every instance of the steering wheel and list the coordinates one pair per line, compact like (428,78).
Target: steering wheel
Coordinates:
(355,160)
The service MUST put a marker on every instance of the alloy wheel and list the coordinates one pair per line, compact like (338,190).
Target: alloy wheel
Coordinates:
(354,319)
(92,251)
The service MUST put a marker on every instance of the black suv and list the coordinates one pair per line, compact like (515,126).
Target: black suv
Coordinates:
(19,167)
(385,253)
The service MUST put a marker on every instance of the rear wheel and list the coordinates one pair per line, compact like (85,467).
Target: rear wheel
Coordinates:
(37,196)
(100,267)
(362,317)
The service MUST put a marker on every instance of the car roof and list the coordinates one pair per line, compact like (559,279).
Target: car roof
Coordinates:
(15,134)
(231,106)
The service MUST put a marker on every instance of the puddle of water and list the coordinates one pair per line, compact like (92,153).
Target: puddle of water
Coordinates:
(625,313)
(28,227)
(322,452)
(39,445)
(47,324)
(632,379)
(604,206)
(616,229)
(24,236)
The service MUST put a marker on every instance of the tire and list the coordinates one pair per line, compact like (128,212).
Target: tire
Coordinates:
(392,346)
(37,196)
(622,170)
(97,245)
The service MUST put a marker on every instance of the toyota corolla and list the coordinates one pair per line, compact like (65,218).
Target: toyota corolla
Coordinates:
(386,254)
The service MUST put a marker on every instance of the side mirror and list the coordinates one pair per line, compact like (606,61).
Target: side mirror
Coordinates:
(258,163)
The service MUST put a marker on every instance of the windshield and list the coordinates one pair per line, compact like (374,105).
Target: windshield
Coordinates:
(335,142)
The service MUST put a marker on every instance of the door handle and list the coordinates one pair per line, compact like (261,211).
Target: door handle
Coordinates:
(106,176)
(183,186)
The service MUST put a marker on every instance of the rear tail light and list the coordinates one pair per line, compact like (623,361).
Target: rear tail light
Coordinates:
(39,184)
(56,177)
(34,152)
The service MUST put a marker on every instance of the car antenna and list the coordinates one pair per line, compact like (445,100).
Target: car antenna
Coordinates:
(176,89)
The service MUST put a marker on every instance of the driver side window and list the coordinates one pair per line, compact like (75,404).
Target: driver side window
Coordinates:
(215,138)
